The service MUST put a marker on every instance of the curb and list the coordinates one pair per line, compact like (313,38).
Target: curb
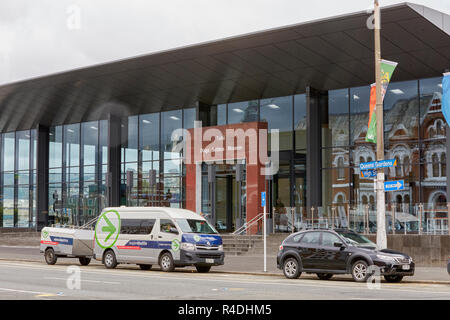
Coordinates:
(268,274)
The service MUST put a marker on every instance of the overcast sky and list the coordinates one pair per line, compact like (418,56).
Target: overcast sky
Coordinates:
(39,37)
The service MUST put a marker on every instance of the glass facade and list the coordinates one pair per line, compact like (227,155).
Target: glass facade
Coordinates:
(78,158)
(18,179)
(414,133)
(152,172)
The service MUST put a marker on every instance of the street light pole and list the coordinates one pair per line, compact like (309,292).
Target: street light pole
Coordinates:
(381,227)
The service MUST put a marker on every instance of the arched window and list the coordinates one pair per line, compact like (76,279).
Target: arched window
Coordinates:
(372,199)
(341,169)
(399,199)
(361,160)
(443,164)
(364,199)
(435,163)
(369,159)
(432,132)
(438,127)
(340,199)
(407,199)
(406,165)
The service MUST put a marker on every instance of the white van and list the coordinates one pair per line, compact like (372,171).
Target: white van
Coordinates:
(165,236)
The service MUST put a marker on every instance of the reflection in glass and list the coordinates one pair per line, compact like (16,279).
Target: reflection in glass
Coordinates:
(243,112)
(277,112)
(300,121)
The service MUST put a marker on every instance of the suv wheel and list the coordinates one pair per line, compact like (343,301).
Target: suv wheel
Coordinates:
(393,278)
(109,260)
(325,276)
(166,262)
(359,271)
(84,261)
(291,268)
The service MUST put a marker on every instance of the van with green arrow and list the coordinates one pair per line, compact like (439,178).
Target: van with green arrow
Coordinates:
(147,236)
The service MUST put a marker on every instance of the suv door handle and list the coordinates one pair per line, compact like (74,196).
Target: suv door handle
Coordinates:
(160,237)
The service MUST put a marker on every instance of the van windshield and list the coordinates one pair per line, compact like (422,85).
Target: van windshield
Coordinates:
(195,226)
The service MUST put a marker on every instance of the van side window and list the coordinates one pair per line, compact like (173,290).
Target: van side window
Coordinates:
(136,226)
(165,225)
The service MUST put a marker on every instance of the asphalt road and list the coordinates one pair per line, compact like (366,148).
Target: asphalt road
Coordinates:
(35,280)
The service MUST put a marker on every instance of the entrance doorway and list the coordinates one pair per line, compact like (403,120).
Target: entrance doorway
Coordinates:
(224,195)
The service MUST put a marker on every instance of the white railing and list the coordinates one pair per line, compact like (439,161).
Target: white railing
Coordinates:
(249,224)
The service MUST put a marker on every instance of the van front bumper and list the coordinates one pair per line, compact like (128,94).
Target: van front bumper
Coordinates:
(198,258)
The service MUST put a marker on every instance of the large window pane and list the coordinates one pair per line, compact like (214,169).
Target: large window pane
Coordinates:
(401,113)
(149,136)
(23,143)
(359,114)
(55,147)
(221,114)
(336,134)
(103,141)
(72,144)
(23,206)
(89,132)
(277,112)
(188,118)
(171,120)
(8,151)
(433,132)
(8,207)
(243,112)
(130,139)
(300,122)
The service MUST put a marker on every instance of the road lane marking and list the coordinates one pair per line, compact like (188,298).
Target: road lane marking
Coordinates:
(23,291)
(85,280)
(265,281)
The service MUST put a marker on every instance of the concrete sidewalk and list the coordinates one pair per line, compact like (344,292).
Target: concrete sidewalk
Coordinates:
(246,264)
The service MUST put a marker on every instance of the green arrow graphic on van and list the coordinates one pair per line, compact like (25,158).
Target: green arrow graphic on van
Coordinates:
(109,228)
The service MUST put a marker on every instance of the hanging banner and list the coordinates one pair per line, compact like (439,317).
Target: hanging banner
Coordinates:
(445,103)
(387,69)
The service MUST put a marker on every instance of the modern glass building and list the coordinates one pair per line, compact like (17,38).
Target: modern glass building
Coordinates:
(76,142)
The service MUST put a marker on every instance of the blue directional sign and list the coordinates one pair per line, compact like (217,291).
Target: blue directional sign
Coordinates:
(394,185)
(368,173)
(263,199)
(378,164)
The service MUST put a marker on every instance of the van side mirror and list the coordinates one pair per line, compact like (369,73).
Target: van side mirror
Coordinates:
(173,230)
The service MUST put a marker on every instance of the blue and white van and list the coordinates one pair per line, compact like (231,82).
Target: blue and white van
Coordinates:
(148,236)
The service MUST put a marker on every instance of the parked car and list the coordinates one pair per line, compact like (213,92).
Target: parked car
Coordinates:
(340,251)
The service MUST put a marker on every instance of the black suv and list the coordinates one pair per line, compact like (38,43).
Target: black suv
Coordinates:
(339,251)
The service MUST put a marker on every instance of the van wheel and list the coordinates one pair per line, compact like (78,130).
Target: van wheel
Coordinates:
(84,261)
(325,276)
(145,266)
(109,260)
(166,262)
(203,269)
(50,256)
(393,279)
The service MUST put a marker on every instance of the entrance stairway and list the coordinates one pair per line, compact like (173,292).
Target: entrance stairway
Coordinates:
(236,245)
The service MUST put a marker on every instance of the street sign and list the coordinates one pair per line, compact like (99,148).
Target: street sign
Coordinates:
(263,199)
(368,173)
(394,185)
(378,164)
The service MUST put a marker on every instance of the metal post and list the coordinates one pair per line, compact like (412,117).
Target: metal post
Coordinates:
(265,240)
(273,220)
(420,218)
(348,216)
(448,217)
(312,217)
(293,219)
(366,218)
(393,208)
(333,214)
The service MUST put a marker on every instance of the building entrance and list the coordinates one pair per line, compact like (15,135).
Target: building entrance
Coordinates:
(224,195)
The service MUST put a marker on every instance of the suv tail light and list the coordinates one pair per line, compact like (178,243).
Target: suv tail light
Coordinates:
(281,247)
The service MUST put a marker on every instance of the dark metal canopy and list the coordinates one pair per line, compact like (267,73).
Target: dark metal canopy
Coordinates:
(325,54)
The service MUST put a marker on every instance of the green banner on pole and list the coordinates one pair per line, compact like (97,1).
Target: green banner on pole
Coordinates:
(387,69)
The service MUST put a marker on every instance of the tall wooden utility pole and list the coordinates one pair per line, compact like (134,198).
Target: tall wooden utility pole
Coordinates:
(381,208)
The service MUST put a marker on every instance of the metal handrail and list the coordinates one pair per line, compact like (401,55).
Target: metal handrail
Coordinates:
(249,224)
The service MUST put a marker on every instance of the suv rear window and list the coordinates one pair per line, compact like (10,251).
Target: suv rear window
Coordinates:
(311,238)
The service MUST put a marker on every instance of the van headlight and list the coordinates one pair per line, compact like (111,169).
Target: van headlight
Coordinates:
(221,247)
(187,246)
